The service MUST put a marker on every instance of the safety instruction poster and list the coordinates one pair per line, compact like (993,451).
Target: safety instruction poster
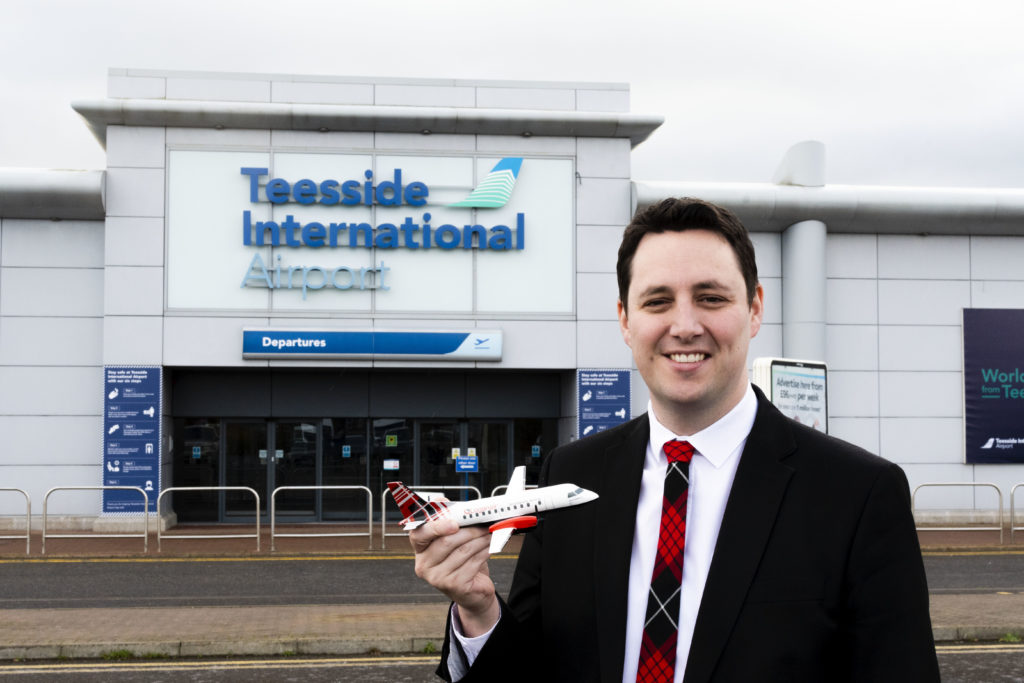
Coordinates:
(603,399)
(131,436)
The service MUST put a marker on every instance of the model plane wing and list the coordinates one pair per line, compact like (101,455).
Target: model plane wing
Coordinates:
(499,538)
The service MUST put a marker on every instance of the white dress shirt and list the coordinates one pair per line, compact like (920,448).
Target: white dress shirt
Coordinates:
(712,471)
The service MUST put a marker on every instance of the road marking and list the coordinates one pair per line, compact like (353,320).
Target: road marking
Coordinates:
(969,553)
(990,648)
(212,665)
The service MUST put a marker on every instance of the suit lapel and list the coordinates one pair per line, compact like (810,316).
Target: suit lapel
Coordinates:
(750,513)
(622,470)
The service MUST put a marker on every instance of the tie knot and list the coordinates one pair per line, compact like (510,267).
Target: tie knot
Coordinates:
(678,451)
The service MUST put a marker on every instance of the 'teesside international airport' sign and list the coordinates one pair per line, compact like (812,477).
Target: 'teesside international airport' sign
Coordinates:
(372,232)
(410,233)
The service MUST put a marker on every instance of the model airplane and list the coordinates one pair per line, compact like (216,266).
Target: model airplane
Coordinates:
(516,510)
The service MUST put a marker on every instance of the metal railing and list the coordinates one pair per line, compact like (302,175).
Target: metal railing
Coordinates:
(1013,519)
(369,515)
(160,537)
(421,489)
(145,514)
(28,520)
(913,508)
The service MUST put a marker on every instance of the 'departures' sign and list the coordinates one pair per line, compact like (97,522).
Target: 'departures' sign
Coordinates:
(994,385)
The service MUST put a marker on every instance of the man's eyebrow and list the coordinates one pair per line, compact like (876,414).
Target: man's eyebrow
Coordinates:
(655,290)
(711,285)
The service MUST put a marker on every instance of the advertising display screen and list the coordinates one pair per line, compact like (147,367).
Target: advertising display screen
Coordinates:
(799,388)
(993,385)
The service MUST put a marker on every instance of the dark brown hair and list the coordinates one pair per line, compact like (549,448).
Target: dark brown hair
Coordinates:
(677,215)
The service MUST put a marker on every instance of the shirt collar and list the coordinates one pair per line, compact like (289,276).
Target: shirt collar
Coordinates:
(716,442)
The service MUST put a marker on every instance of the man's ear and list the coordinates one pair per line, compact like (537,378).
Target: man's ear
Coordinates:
(623,323)
(756,310)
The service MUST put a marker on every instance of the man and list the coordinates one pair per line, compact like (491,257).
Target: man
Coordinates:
(799,561)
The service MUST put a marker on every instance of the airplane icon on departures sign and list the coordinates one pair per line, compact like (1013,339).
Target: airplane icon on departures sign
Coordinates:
(516,510)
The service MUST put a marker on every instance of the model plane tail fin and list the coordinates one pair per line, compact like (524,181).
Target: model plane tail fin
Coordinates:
(415,509)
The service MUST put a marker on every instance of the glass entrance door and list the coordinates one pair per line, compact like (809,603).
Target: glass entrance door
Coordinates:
(490,441)
(246,457)
(264,456)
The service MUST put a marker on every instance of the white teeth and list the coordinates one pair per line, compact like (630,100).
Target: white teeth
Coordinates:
(687,357)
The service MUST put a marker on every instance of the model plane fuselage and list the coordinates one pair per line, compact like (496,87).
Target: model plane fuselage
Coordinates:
(515,510)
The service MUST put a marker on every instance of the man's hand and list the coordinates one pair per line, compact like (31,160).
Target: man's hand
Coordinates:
(453,559)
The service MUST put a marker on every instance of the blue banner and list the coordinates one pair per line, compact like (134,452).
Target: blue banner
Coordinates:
(603,397)
(994,385)
(370,344)
(131,436)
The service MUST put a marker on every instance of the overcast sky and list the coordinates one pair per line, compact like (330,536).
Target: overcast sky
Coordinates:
(902,92)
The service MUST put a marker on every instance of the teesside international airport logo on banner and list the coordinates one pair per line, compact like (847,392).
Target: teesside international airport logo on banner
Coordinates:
(415,230)
(994,385)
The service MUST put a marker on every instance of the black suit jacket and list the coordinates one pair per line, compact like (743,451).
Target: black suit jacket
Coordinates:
(816,576)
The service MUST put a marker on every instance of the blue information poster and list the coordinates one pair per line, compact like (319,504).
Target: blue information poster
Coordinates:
(603,398)
(994,385)
(131,436)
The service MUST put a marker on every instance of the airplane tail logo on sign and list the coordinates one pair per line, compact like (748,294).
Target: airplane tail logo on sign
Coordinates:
(496,189)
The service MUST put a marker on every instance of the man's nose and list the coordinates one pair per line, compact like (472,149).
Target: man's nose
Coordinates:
(686,321)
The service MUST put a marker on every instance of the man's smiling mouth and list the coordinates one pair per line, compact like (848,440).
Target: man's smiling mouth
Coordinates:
(687,357)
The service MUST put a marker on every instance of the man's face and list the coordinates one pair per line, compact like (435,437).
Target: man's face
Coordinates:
(689,325)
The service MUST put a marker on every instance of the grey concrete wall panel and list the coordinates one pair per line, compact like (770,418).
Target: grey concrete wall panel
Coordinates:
(36,480)
(51,341)
(394,119)
(599,345)
(602,100)
(50,440)
(921,394)
(47,194)
(920,348)
(852,394)
(512,394)
(51,244)
(135,147)
(851,256)
(858,209)
(851,302)
(767,343)
(999,294)
(134,290)
(214,137)
(134,241)
(922,302)
(527,146)
(321,140)
(224,393)
(923,439)
(525,98)
(602,158)
(135,192)
(51,391)
(132,340)
(536,344)
(596,294)
(602,201)
(597,247)
(321,393)
(418,394)
(73,292)
(851,347)
(945,498)
(767,254)
(222,89)
(321,93)
(997,258)
(920,257)
(420,142)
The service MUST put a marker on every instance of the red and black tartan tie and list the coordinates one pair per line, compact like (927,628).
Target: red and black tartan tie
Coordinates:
(661,632)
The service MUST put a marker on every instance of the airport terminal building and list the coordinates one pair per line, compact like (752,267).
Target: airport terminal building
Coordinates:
(309,281)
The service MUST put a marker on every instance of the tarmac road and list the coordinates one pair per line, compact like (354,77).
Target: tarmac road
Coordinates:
(182,582)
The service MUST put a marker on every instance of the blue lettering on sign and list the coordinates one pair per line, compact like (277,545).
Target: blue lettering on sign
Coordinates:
(410,233)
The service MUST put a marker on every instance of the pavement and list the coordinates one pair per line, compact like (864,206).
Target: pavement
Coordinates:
(339,630)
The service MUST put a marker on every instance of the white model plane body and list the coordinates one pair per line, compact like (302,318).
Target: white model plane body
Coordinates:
(515,510)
